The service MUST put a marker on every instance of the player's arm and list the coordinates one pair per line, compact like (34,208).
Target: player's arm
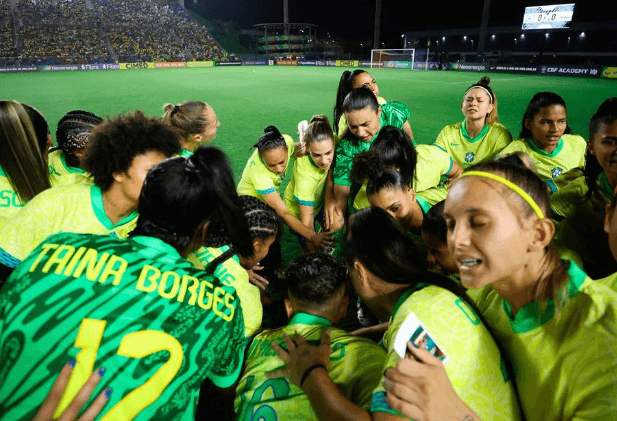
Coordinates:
(319,239)
(335,203)
(455,171)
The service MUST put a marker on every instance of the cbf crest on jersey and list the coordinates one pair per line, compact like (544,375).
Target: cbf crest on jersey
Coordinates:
(556,172)
(469,156)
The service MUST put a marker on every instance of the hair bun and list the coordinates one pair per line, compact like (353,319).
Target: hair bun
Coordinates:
(319,117)
(485,80)
(169,107)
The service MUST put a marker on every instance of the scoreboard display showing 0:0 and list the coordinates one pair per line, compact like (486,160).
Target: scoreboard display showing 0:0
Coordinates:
(548,17)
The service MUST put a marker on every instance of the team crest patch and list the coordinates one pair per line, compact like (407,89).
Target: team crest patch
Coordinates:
(469,156)
(556,172)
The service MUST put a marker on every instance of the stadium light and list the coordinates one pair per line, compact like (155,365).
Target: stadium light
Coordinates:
(546,35)
(582,35)
(522,36)
(493,37)
(465,38)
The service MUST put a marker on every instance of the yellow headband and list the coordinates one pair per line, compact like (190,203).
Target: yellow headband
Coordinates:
(511,186)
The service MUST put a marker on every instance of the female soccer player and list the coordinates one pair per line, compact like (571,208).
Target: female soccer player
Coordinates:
(480,136)
(547,139)
(316,302)
(218,257)
(196,122)
(422,307)
(556,324)
(430,163)
(365,118)
(434,235)
(133,310)
(120,154)
(304,195)
(264,173)
(579,205)
(72,136)
(349,81)
(23,169)
(391,191)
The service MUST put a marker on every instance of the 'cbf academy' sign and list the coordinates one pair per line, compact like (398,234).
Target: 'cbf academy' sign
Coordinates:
(586,71)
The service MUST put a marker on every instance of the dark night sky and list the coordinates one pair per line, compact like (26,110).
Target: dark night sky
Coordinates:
(355,18)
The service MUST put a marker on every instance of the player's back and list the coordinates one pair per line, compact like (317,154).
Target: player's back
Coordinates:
(136,307)
(355,367)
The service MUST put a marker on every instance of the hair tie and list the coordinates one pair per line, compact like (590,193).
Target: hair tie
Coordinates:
(511,186)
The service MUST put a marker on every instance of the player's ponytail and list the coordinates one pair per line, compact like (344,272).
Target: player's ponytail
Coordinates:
(187,117)
(395,149)
(21,158)
(270,139)
(344,88)
(367,165)
(319,130)
(179,194)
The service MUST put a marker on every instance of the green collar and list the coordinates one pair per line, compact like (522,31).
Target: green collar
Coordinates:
(2,173)
(423,203)
(186,153)
(604,186)
(537,149)
(96,197)
(308,319)
(478,137)
(533,315)
(74,170)
(156,247)
(406,295)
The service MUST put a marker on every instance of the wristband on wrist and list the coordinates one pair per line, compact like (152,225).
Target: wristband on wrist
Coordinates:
(309,370)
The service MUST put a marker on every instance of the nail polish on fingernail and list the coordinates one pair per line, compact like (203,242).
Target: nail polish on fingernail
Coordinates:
(72,363)
(101,371)
(108,392)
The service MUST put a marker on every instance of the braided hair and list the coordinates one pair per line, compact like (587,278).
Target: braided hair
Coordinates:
(262,224)
(73,133)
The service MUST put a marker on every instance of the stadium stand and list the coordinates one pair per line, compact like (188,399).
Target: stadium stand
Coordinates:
(40,32)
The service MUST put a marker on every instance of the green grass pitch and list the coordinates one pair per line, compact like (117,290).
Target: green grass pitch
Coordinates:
(247,99)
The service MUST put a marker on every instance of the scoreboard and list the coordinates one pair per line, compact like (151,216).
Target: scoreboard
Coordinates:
(548,17)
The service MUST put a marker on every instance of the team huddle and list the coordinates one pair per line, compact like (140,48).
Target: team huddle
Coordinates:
(474,278)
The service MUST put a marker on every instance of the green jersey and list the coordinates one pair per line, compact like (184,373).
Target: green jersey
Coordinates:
(306,186)
(342,124)
(232,274)
(355,367)
(257,180)
(580,225)
(74,208)
(134,306)
(445,325)
(392,114)
(566,362)
(569,154)
(466,150)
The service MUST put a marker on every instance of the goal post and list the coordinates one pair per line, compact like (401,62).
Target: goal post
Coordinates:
(402,58)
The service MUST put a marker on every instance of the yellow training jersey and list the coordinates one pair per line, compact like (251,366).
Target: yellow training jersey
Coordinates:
(565,360)
(232,274)
(467,151)
(74,208)
(445,325)
(10,202)
(257,180)
(355,367)
(306,186)
(569,154)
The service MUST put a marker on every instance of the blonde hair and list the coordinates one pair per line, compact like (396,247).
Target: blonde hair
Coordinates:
(20,155)
(187,117)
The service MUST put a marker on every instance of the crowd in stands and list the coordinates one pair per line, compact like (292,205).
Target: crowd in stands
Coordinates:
(78,31)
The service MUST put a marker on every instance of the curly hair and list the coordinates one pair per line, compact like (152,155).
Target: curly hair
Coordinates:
(73,132)
(314,278)
(116,142)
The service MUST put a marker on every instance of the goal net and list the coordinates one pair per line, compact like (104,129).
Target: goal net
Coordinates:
(393,58)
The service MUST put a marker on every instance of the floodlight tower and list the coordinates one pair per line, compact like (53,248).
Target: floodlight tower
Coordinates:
(286,16)
(377,23)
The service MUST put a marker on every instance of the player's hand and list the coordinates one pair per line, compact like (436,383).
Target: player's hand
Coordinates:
(47,409)
(300,356)
(322,239)
(257,280)
(333,218)
(419,388)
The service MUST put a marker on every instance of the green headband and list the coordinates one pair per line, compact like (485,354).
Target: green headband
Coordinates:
(511,186)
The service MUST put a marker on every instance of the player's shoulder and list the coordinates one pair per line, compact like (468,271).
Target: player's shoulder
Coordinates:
(576,141)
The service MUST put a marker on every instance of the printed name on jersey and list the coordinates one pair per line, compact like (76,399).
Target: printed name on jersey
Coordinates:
(104,267)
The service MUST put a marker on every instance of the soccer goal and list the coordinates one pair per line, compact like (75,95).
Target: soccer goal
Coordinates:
(393,59)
